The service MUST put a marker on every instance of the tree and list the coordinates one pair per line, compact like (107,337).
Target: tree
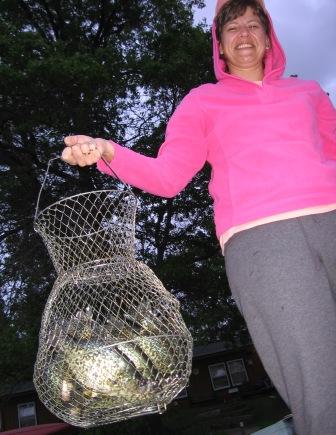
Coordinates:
(111,69)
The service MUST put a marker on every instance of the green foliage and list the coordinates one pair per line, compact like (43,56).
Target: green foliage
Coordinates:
(113,69)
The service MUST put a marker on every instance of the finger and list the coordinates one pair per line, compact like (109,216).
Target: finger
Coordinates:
(85,148)
(100,146)
(92,146)
(92,149)
(96,147)
(84,156)
(97,154)
(92,152)
(93,157)
(70,140)
(76,140)
(78,155)
(67,156)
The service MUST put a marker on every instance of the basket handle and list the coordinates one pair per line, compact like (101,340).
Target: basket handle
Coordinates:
(128,188)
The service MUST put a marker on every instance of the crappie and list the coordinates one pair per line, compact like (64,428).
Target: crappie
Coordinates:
(106,370)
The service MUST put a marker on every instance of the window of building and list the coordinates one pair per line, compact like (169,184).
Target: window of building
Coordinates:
(237,372)
(27,414)
(219,376)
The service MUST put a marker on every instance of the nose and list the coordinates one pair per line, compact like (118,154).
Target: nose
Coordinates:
(244,31)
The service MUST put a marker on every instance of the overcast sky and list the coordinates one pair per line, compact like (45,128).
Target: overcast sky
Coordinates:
(307,32)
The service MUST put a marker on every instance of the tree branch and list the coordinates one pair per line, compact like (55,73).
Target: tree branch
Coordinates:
(8,233)
(35,23)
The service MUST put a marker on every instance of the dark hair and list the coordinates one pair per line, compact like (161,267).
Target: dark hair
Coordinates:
(236,8)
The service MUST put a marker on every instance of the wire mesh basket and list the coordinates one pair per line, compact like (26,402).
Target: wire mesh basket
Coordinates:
(112,344)
(92,227)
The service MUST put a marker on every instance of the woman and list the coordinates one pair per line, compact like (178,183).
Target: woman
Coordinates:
(271,143)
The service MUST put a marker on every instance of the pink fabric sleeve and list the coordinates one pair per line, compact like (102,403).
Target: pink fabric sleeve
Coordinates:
(327,124)
(180,157)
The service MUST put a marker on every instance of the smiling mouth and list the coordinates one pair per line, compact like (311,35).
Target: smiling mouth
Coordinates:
(240,46)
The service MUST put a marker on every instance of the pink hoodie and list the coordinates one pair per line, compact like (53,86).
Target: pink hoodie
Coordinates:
(272,148)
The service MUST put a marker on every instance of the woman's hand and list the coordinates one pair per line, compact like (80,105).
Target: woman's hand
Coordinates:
(84,150)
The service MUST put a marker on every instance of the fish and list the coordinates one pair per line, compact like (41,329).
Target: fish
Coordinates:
(104,369)
(121,362)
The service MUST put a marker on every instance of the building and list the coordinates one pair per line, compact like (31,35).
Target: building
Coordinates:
(219,372)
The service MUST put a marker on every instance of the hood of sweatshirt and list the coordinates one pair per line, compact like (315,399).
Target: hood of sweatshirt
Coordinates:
(275,60)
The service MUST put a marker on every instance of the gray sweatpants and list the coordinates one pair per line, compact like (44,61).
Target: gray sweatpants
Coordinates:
(283,278)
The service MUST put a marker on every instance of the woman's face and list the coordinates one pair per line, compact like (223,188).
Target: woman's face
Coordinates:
(243,42)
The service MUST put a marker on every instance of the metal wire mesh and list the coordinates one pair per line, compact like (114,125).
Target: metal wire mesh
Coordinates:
(112,344)
(92,227)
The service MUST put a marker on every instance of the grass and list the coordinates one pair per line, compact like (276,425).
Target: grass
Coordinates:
(212,419)
(264,410)
(267,409)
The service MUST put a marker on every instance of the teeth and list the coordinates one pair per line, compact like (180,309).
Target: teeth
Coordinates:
(244,46)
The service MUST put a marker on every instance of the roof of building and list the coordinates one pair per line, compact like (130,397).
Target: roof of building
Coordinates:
(211,348)
(16,388)
(198,351)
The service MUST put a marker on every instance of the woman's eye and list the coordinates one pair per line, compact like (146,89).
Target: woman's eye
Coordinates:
(230,29)
(254,26)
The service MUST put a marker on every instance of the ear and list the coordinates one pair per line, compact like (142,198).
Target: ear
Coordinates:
(221,51)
